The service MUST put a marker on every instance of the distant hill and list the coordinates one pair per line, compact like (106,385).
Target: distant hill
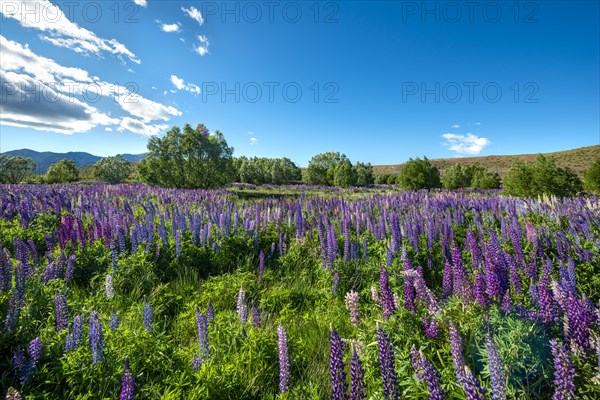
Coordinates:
(577,159)
(45,159)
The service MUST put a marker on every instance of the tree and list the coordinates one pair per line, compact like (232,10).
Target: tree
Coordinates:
(591,177)
(541,177)
(320,168)
(284,171)
(190,159)
(474,176)
(112,169)
(364,174)
(343,174)
(14,169)
(419,174)
(457,176)
(484,179)
(62,171)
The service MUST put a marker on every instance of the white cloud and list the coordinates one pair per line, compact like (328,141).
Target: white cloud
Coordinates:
(139,127)
(170,28)
(468,144)
(253,140)
(141,3)
(250,133)
(202,48)
(194,14)
(108,129)
(477,123)
(181,85)
(59,30)
(456,126)
(41,94)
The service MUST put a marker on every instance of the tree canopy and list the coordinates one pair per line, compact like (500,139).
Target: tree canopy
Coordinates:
(14,169)
(419,174)
(192,158)
(541,177)
(112,169)
(267,170)
(591,177)
(335,169)
(474,176)
(64,170)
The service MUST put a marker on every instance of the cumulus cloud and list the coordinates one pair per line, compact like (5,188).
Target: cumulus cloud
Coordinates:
(202,48)
(194,14)
(181,85)
(139,127)
(141,3)
(170,28)
(469,144)
(59,30)
(253,140)
(41,94)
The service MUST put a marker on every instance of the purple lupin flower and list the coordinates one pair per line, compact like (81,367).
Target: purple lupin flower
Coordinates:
(357,378)
(337,367)
(447,280)
(210,312)
(61,313)
(242,308)
(336,282)
(580,315)
(480,288)
(261,265)
(70,270)
(427,373)
(196,363)
(202,324)
(96,339)
(255,316)
(127,382)
(5,270)
(35,354)
(409,289)
(456,349)
(114,321)
(20,365)
(497,375)
(387,299)
(473,390)
(564,372)
(284,360)
(13,312)
(387,365)
(74,337)
(352,304)
(507,305)
(148,316)
(20,279)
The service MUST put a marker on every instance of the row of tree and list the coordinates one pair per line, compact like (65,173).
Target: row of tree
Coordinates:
(195,158)
(16,169)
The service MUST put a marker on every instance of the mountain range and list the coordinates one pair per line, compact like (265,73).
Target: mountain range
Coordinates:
(45,159)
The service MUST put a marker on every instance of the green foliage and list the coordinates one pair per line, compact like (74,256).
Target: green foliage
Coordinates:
(63,171)
(591,177)
(343,174)
(464,176)
(189,159)
(259,171)
(112,169)
(15,169)
(364,174)
(419,174)
(541,177)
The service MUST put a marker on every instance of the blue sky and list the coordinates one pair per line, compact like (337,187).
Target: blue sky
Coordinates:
(379,81)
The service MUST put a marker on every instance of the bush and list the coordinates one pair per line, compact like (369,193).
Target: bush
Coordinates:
(541,177)
(462,176)
(591,177)
(63,171)
(419,174)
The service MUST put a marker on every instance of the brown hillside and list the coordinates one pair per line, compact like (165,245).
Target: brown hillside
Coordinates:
(577,159)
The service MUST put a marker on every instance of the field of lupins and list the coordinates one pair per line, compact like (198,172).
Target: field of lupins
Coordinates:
(135,292)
